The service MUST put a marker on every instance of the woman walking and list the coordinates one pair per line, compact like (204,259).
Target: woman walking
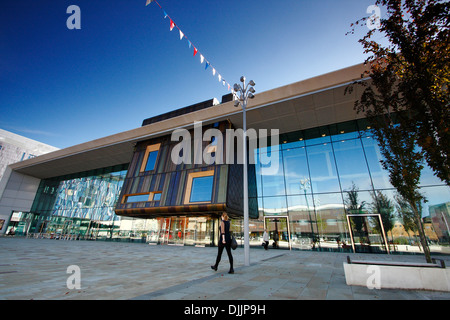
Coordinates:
(224,242)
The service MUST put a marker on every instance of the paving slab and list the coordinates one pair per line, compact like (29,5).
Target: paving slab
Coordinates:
(37,269)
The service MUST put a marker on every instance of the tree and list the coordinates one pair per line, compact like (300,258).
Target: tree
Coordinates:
(354,206)
(406,215)
(417,59)
(407,101)
(382,205)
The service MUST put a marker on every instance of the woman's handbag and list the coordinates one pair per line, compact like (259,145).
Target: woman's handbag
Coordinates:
(233,243)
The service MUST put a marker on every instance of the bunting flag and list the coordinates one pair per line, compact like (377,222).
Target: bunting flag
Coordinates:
(202,57)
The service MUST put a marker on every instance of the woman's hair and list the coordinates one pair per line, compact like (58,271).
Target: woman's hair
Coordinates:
(225,216)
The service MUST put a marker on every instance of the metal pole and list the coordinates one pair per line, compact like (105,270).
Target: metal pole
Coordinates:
(246,217)
(242,100)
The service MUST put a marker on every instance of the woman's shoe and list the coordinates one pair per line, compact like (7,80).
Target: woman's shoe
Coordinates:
(231,271)
(214,268)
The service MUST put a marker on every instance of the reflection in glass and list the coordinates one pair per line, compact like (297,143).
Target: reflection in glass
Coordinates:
(202,189)
(273,182)
(303,221)
(352,165)
(275,205)
(323,169)
(331,220)
(295,168)
(380,177)
(137,198)
(151,160)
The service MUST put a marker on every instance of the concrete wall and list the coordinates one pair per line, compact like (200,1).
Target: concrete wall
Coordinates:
(397,277)
(17,193)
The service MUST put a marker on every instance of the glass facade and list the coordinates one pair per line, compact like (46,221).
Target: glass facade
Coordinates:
(81,206)
(328,175)
(329,188)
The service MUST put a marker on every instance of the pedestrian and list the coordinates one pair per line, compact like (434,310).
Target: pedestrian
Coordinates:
(224,242)
(266,239)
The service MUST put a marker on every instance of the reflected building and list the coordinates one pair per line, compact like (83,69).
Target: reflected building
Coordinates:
(328,192)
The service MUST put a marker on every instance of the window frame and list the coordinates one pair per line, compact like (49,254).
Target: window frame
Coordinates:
(150,198)
(148,150)
(189,183)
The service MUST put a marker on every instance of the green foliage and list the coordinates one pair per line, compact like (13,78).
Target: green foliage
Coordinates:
(407,99)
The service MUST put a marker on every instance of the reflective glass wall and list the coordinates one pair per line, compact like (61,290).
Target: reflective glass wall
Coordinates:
(325,176)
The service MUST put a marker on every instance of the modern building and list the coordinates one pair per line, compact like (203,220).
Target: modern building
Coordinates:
(15,148)
(132,186)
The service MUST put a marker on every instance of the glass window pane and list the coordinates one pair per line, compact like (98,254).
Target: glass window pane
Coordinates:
(157,197)
(137,198)
(380,177)
(317,136)
(296,169)
(344,131)
(301,218)
(322,168)
(201,189)
(258,173)
(151,161)
(275,206)
(331,221)
(352,165)
(273,177)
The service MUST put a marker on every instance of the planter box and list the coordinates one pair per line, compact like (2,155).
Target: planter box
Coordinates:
(397,275)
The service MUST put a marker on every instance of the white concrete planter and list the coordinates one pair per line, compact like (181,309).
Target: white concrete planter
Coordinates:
(391,275)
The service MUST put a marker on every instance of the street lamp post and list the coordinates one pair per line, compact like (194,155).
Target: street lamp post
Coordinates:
(245,93)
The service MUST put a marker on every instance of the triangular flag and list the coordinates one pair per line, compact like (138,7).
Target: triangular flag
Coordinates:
(207,65)
(190,44)
(181,35)
(148,2)
(172,24)
(195,51)
(202,58)
(165,14)
(228,86)
(220,77)
(214,71)
(223,82)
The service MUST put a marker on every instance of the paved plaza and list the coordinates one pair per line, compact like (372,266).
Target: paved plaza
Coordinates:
(38,269)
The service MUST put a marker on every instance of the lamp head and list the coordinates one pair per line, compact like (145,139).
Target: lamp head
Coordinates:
(252,83)
(236,87)
(236,103)
(242,79)
(250,95)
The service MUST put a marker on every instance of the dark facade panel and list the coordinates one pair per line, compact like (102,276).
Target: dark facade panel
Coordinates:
(155,186)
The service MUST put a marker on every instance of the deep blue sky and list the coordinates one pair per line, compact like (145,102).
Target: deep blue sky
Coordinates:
(64,87)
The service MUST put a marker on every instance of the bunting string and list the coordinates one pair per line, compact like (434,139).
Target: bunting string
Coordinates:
(173,25)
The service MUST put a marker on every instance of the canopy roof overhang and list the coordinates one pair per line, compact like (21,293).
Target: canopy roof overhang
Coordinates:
(301,105)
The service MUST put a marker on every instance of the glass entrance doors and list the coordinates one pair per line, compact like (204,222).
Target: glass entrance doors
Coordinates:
(185,231)
(278,230)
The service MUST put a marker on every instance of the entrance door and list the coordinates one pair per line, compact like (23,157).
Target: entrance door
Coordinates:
(172,230)
(278,230)
(198,231)
(176,232)
(164,229)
